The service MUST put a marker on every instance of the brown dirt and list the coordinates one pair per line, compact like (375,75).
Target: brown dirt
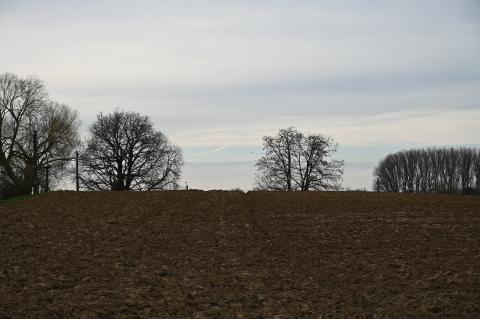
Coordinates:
(233,255)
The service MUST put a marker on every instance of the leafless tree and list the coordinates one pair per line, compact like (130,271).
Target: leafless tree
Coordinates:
(275,168)
(25,109)
(124,152)
(293,161)
(439,170)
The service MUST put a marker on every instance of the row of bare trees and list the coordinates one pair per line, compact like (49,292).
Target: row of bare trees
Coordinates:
(438,170)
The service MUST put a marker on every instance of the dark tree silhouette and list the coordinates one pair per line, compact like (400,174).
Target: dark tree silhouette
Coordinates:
(293,161)
(437,170)
(24,111)
(124,152)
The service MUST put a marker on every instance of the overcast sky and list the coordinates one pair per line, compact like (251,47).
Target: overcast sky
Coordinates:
(216,76)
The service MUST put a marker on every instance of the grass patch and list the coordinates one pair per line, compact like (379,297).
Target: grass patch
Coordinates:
(17,199)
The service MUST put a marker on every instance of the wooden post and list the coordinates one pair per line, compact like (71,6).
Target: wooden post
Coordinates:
(77,181)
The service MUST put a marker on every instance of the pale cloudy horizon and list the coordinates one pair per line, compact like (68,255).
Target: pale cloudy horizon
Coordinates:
(378,76)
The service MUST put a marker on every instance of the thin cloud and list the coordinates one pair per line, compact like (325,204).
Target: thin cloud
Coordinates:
(215,150)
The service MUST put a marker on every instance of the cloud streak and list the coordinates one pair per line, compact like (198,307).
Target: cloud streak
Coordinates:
(212,151)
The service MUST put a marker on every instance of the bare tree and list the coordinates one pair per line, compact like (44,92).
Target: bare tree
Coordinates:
(25,113)
(124,152)
(314,168)
(293,161)
(275,168)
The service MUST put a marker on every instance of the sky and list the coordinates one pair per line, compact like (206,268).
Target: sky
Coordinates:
(216,76)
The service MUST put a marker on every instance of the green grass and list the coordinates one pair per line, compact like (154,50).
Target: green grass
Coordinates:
(16,199)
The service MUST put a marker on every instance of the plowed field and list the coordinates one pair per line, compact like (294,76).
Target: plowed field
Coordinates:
(193,254)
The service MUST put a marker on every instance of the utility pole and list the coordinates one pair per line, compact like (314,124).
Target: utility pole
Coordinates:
(47,187)
(77,182)
(35,163)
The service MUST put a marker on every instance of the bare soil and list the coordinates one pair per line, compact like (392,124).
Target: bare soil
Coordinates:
(193,254)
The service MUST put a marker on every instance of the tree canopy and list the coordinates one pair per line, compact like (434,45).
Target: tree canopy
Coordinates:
(295,161)
(124,152)
(25,113)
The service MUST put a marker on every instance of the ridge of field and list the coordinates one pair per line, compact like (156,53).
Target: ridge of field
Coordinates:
(219,254)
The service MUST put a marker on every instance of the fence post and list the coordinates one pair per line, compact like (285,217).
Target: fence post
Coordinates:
(77,182)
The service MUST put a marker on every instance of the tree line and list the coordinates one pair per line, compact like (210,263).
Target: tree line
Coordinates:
(39,139)
(437,170)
